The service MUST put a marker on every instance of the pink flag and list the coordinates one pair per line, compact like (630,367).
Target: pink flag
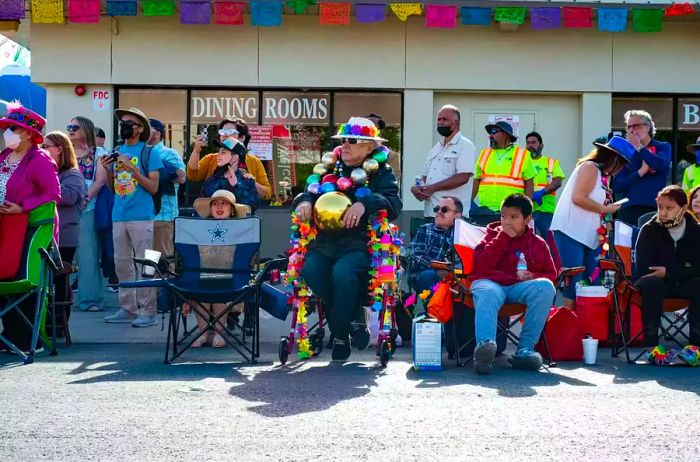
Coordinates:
(441,16)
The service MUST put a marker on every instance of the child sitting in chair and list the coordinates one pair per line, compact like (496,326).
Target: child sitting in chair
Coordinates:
(511,265)
(220,206)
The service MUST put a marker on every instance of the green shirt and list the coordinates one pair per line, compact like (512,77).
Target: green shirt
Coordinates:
(691,177)
(542,179)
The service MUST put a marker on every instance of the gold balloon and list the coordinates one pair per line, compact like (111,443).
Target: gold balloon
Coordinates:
(320,169)
(328,160)
(329,210)
(370,165)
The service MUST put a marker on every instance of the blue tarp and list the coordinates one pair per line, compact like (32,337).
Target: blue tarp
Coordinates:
(16,86)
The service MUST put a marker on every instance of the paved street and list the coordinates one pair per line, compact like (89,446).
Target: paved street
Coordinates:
(116,400)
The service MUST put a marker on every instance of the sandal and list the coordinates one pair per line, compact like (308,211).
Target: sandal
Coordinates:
(201,341)
(218,341)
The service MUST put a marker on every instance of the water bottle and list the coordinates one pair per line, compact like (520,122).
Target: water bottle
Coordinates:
(419,180)
(521,267)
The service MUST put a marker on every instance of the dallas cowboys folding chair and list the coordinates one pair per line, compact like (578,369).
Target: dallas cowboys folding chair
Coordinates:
(215,263)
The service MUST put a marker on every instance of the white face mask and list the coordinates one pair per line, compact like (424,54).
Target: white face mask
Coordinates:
(12,139)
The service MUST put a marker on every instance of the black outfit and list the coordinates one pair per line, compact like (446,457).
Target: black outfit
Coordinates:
(337,263)
(62,289)
(655,247)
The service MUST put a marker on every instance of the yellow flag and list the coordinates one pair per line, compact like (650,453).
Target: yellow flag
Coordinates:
(404,10)
(47,11)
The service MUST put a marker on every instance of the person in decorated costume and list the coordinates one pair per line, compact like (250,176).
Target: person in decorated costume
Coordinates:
(351,197)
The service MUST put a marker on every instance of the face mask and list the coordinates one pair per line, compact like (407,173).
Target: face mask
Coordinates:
(672,223)
(444,131)
(12,139)
(125,131)
(220,171)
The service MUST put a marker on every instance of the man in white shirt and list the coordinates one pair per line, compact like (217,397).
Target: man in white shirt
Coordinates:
(449,168)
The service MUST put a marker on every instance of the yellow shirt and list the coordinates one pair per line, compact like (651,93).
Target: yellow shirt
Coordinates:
(207,165)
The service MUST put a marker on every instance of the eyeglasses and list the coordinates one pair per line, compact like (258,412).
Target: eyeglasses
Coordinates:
(73,128)
(442,209)
(13,128)
(228,131)
(494,130)
(47,146)
(352,141)
(633,126)
(131,123)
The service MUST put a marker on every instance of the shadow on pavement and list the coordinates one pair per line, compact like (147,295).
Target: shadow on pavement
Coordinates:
(293,389)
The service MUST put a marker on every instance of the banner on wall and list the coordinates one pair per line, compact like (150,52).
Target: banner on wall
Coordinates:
(514,121)
(260,144)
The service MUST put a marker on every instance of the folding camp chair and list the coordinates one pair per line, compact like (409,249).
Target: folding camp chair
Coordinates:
(466,238)
(215,263)
(27,271)
(620,267)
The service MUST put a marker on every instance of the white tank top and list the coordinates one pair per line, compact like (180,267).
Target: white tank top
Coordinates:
(577,223)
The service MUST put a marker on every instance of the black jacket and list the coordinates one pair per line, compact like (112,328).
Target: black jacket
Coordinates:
(655,247)
(385,195)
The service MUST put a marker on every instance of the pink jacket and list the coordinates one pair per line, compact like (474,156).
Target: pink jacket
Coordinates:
(35,181)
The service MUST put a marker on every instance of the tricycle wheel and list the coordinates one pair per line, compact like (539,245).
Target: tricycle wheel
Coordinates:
(284,350)
(384,353)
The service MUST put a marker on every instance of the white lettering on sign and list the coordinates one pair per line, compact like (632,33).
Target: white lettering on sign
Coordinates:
(691,114)
(101,100)
(224,108)
(295,109)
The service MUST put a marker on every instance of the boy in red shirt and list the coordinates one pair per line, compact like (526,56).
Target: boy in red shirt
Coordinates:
(511,265)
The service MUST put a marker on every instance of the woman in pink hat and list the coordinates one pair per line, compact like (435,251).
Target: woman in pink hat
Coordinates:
(28,179)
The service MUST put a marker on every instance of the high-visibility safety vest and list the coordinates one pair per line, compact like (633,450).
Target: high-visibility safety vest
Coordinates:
(544,178)
(691,177)
(547,169)
(500,179)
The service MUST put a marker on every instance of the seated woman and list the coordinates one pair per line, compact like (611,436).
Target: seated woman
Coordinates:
(337,264)
(694,201)
(228,176)
(668,265)
(221,205)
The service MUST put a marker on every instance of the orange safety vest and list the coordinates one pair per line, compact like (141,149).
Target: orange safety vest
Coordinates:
(513,180)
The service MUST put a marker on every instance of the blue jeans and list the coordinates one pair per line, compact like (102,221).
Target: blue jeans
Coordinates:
(90,283)
(543,221)
(572,254)
(490,296)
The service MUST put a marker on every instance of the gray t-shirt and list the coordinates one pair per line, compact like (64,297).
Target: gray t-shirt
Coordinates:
(677,232)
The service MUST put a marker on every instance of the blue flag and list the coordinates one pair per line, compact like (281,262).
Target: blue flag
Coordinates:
(475,16)
(612,19)
(266,14)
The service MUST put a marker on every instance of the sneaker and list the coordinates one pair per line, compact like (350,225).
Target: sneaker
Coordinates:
(121,316)
(341,349)
(144,320)
(112,290)
(94,308)
(484,353)
(659,356)
(525,359)
(360,335)
(690,355)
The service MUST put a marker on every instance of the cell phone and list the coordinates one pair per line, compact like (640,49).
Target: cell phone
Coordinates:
(204,135)
(112,156)
(621,201)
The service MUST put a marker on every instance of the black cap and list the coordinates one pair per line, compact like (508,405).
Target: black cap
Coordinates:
(380,122)
(158,126)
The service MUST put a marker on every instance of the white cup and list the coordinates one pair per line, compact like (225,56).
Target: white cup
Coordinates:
(154,256)
(590,350)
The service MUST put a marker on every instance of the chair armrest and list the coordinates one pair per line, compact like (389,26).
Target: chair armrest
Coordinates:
(264,270)
(565,274)
(441,265)
(55,262)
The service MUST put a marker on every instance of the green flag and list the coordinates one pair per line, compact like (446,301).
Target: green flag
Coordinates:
(512,15)
(158,7)
(647,20)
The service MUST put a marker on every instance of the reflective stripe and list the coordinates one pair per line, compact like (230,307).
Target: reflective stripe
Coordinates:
(550,165)
(484,158)
(518,161)
(491,180)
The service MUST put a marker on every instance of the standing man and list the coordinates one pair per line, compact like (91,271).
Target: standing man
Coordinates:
(547,180)
(691,175)
(172,175)
(449,168)
(133,175)
(394,157)
(501,170)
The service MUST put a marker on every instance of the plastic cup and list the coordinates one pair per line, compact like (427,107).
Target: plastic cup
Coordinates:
(590,350)
(154,256)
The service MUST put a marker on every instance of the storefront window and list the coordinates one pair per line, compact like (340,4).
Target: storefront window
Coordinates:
(168,106)
(688,128)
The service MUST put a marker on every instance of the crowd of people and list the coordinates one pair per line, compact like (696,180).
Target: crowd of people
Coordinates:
(113,205)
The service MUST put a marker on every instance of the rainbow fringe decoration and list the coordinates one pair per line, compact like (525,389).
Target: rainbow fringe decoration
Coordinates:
(690,355)
(659,356)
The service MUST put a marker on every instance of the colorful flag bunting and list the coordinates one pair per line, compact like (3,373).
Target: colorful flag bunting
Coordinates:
(612,19)
(545,18)
(441,16)
(334,14)
(84,11)
(475,16)
(404,10)
(679,9)
(47,11)
(11,9)
(299,6)
(158,7)
(367,13)
(266,14)
(513,15)
(121,8)
(195,12)
(577,17)
(229,13)
(647,20)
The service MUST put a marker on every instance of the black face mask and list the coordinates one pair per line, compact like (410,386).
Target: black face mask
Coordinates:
(126,131)
(673,222)
(444,131)
(221,171)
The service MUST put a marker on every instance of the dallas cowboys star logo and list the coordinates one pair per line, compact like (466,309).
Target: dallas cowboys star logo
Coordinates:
(217,233)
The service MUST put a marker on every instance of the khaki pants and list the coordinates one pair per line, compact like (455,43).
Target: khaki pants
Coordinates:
(163,237)
(131,239)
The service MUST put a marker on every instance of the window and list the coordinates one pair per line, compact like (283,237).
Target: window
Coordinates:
(168,106)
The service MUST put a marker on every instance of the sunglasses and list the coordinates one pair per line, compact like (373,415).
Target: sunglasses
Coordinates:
(228,132)
(442,209)
(493,131)
(632,127)
(47,146)
(131,123)
(352,141)
(73,128)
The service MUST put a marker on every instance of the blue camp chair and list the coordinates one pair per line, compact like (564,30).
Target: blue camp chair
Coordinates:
(214,263)
(28,271)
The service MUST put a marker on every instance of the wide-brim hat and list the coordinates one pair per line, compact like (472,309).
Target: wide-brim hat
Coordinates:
(358,128)
(691,148)
(136,112)
(19,116)
(504,127)
(203,205)
(619,146)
